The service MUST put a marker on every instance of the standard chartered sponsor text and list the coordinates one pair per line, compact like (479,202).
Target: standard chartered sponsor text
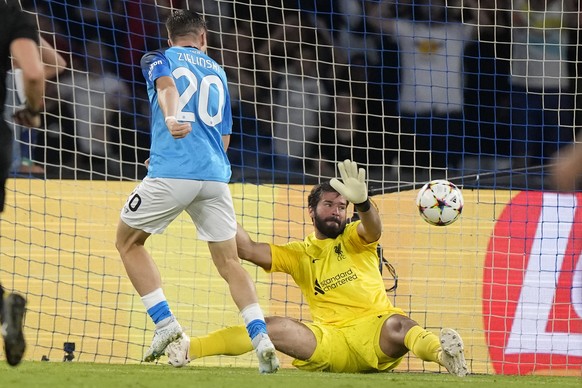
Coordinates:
(338,280)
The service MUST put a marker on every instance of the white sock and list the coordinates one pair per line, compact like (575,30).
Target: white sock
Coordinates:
(157,307)
(153,298)
(252,312)
(254,322)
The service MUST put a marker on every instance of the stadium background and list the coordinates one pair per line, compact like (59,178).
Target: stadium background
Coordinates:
(56,236)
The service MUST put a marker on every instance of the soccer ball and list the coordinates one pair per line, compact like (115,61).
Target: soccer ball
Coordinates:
(439,202)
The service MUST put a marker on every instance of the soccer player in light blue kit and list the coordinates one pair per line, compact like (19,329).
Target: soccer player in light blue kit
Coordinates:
(188,171)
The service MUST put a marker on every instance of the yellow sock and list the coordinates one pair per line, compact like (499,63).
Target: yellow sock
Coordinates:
(230,341)
(424,344)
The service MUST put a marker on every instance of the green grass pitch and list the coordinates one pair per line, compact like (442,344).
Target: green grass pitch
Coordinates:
(77,374)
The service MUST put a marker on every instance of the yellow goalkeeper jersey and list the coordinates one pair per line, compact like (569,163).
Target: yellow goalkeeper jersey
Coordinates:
(339,278)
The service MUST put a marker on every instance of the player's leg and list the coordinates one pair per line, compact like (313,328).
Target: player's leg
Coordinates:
(135,226)
(242,290)
(292,337)
(400,334)
(146,279)
(288,335)
(230,341)
(139,264)
(393,335)
(213,214)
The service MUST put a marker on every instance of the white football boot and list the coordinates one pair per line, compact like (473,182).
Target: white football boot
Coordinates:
(178,352)
(268,361)
(163,336)
(452,355)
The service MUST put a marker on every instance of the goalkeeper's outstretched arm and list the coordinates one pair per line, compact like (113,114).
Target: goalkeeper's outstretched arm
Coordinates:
(249,250)
(354,188)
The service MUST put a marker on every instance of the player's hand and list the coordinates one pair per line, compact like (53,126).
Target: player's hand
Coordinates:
(353,184)
(27,117)
(177,129)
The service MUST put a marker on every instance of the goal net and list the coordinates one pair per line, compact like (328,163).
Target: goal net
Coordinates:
(483,93)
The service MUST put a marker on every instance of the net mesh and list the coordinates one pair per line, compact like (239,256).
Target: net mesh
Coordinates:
(481,93)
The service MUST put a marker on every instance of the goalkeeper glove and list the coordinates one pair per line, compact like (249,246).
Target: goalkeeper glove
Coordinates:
(353,185)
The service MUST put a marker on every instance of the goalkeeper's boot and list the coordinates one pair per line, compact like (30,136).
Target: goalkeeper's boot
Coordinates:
(163,336)
(178,352)
(12,317)
(452,355)
(268,361)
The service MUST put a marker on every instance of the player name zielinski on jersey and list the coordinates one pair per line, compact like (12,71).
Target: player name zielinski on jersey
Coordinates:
(204,101)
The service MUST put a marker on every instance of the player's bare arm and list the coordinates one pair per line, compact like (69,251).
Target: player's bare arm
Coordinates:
(567,169)
(168,100)
(54,63)
(249,250)
(25,52)
(226,142)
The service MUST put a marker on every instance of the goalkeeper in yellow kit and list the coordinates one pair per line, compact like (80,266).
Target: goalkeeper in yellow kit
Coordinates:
(355,328)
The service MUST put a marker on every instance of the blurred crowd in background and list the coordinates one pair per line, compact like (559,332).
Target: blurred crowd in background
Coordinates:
(408,88)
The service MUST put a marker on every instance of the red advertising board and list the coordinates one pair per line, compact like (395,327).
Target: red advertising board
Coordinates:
(532,285)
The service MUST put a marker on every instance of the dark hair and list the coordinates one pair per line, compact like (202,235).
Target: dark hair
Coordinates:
(183,22)
(316,193)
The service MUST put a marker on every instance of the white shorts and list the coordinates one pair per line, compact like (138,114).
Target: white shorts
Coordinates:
(156,202)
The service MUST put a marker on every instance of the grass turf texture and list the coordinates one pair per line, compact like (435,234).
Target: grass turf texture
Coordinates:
(76,374)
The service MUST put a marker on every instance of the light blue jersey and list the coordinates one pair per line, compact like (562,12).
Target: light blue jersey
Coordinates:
(204,102)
